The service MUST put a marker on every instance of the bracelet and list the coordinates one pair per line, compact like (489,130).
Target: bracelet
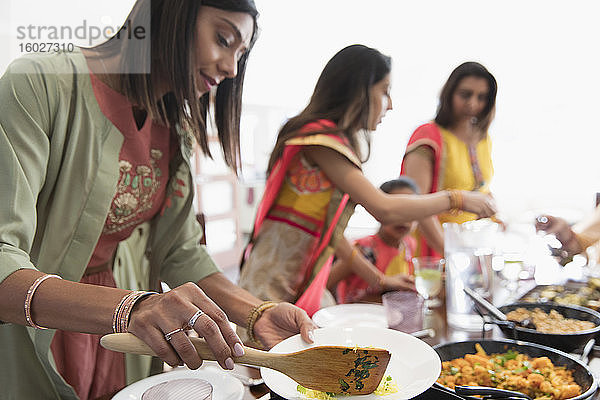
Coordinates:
(115,319)
(29,297)
(123,310)
(353,255)
(253,316)
(456,201)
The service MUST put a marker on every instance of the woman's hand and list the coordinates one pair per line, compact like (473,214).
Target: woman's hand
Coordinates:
(398,282)
(561,229)
(157,315)
(554,225)
(478,203)
(282,321)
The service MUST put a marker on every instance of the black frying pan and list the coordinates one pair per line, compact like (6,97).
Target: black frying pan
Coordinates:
(566,342)
(435,393)
(581,373)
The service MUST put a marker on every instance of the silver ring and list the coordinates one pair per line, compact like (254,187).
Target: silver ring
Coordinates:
(168,336)
(192,321)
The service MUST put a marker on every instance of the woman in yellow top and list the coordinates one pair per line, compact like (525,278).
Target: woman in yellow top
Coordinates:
(315,180)
(454,150)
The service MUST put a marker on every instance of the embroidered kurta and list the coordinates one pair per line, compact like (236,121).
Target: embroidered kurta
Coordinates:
(61,154)
(140,193)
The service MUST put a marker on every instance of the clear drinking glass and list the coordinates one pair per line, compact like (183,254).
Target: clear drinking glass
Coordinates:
(513,266)
(428,279)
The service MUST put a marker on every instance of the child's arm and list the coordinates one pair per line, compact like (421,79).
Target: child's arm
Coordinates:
(346,255)
(352,260)
(341,267)
(339,270)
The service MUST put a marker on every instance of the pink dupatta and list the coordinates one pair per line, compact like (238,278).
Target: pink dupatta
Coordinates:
(310,298)
(427,135)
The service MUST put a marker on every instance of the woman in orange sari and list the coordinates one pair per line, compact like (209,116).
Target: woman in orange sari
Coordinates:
(454,150)
(315,180)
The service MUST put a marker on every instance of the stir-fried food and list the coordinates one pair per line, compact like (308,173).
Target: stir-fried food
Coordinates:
(552,322)
(536,377)
(387,386)
(587,295)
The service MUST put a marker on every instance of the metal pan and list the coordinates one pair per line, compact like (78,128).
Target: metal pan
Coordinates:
(437,393)
(581,373)
(567,342)
(564,341)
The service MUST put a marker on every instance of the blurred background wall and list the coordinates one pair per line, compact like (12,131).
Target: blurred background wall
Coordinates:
(542,52)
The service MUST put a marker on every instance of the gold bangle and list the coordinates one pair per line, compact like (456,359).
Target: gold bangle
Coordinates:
(381,282)
(459,200)
(450,200)
(353,255)
(253,316)
(29,297)
(456,201)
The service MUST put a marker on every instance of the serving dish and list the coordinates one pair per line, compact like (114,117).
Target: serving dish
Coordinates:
(225,386)
(584,294)
(414,365)
(351,315)
(567,342)
(581,372)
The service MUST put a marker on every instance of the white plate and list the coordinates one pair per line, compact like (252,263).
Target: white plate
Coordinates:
(414,365)
(225,386)
(351,315)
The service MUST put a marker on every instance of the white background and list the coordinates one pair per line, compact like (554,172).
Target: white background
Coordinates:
(544,55)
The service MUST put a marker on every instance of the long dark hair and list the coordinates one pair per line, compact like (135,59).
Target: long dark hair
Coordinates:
(341,95)
(171,50)
(445,117)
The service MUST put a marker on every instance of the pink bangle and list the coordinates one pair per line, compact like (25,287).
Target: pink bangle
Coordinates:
(29,297)
(115,321)
(123,309)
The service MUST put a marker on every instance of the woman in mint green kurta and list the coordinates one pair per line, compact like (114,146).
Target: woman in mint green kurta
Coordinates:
(59,159)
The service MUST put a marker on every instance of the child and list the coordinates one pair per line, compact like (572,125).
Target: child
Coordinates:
(387,264)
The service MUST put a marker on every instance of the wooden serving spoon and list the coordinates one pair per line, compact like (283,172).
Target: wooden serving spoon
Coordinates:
(334,369)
